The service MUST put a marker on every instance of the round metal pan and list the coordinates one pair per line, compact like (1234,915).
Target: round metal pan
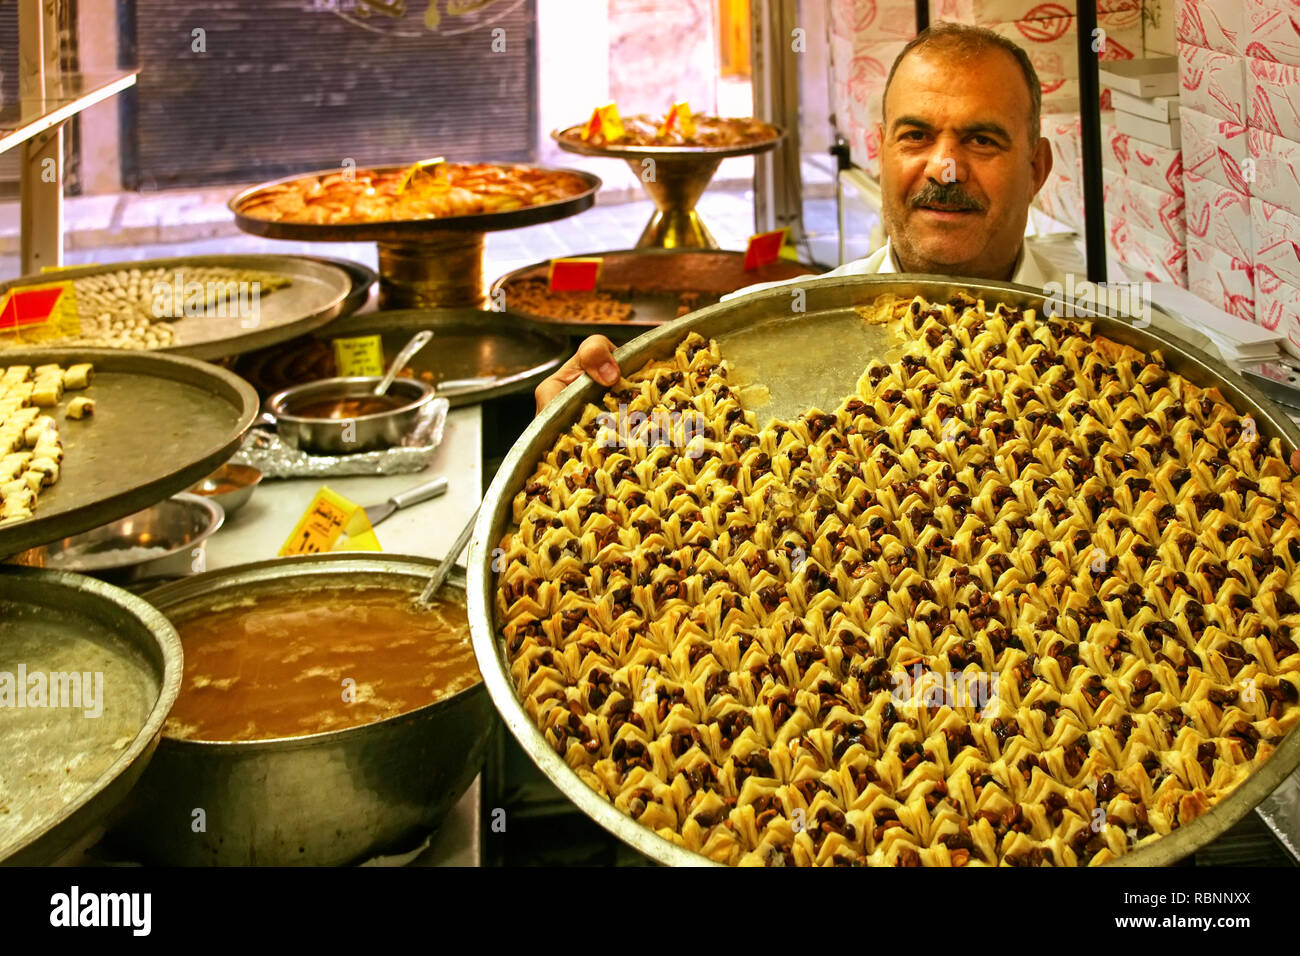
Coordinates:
(624,266)
(317,294)
(815,358)
(362,276)
(410,229)
(665,152)
(324,799)
(480,355)
(61,777)
(161,423)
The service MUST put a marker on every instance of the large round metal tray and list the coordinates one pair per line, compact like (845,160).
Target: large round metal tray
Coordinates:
(815,358)
(323,799)
(410,229)
(160,424)
(317,294)
(362,276)
(98,628)
(652,308)
(665,152)
(481,355)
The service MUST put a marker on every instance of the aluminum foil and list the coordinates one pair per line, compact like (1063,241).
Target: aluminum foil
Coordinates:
(1281,811)
(268,453)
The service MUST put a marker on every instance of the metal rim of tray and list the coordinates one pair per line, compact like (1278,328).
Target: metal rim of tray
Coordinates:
(411,230)
(577,327)
(222,384)
(346,566)
(719,320)
(332,273)
(413,320)
(363,280)
(117,780)
(666,152)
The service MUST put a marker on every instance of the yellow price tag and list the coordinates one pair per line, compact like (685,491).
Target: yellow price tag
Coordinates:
(32,314)
(359,356)
(427,169)
(331,523)
(679,117)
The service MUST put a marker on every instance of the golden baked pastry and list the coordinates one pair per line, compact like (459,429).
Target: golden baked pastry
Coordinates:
(766,644)
(455,189)
(642,129)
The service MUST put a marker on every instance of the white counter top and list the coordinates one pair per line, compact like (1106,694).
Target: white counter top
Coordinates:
(258,530)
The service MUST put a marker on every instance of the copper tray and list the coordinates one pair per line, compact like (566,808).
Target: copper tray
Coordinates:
(816,358)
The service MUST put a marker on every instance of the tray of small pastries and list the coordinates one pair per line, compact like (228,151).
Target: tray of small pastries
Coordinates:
(475,356)
(92,435)
(637,288)
(644,136)
(913,577)
(205,307)
(403,203)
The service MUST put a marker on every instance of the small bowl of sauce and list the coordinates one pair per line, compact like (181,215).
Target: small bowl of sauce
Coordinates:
(341,416)
(229,486)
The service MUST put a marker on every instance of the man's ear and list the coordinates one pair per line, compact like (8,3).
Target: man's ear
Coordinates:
(1041,163)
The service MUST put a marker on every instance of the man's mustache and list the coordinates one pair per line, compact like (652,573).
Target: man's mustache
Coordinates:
(947,196)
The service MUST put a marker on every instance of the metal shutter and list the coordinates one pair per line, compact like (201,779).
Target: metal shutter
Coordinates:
(291,85)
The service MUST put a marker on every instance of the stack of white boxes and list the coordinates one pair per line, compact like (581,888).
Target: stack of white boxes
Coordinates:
(1143,184)
(1239,67)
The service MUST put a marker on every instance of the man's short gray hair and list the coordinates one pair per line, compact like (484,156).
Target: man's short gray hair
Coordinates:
(967,39)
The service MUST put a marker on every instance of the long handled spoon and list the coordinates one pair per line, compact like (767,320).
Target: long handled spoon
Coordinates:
(444,567)
(418,341)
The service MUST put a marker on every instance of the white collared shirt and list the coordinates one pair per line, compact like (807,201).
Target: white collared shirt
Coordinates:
(1031,270)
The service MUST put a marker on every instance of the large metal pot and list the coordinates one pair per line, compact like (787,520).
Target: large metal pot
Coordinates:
(326,799)
(346,436)
(814,357)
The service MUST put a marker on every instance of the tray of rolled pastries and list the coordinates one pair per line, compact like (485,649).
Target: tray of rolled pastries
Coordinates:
(88,436)
(915,575)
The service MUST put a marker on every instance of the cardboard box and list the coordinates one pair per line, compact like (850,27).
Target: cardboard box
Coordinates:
(1152,257)
(1154,211)
(1217,24)
(1276,169)
(1154,166)
(1274,30)
(873,21)
(1221,280)
(1216,150)
(1273,97)
(1219,216)
(1161,109)
(1212,82)
(1007,11)
(1277,241)
(1277,308)
(1053,50)
(1149,76)
(1167,134)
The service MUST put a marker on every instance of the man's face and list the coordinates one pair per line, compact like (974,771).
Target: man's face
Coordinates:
(957,171)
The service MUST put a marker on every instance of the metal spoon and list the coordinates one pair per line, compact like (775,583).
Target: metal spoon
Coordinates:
(447,563)
(418,341)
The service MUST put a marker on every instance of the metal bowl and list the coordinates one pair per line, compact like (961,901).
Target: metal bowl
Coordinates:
(244,478)
(326,799)
(345,436)
(811,358)
(174,532)
(108,630)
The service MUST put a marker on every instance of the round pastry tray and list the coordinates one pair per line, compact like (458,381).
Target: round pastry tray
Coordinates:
(94,627)
(362,276)
(318,293)
(622,268)
(161,423)
(815,358)
(665,152)
(410,230)
(481,355)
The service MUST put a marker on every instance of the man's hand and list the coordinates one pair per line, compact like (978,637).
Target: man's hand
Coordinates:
(595,356)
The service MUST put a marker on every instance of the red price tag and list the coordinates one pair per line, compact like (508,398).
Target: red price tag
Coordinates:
(764,249)
(32,307)
(574,275)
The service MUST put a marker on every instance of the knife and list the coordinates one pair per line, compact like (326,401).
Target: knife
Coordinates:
(412,496)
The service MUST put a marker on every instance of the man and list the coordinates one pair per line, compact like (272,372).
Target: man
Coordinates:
(961,158)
